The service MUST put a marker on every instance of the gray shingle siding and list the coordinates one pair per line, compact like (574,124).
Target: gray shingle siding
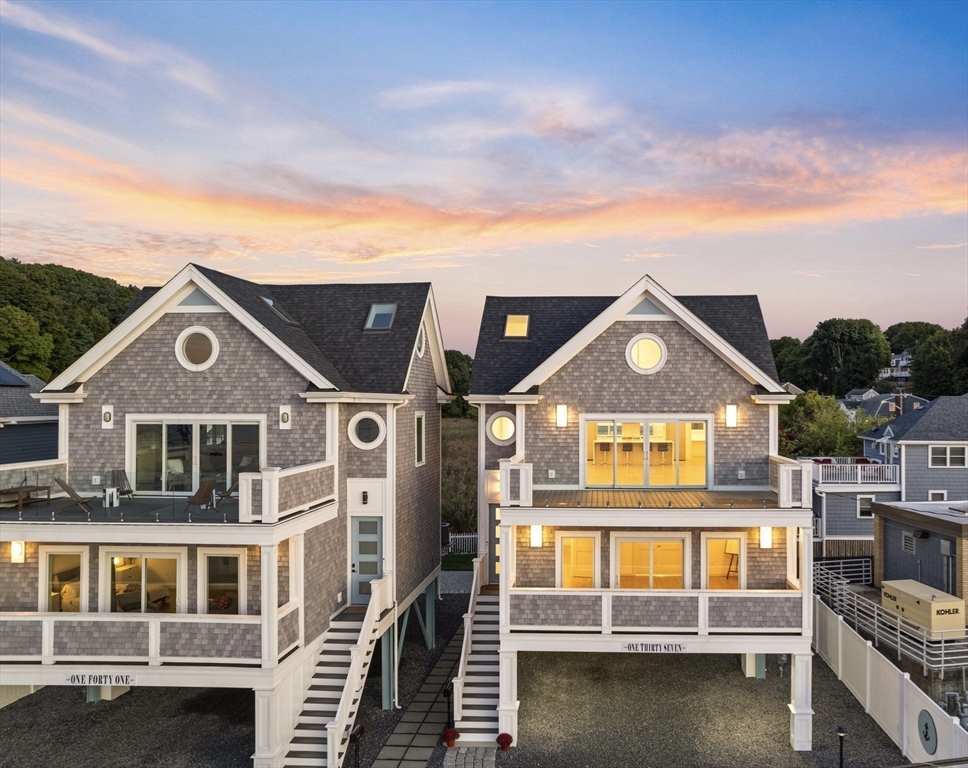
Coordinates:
(693,380)
(21,638)
(925,565)
(299,491)
(222,640)
(659,611)
(739,612)
(842,517)
(145,377)
(919,478)
(324,574)
(556,610)
(101,638)
(282,573)
(288,630)
(18,581)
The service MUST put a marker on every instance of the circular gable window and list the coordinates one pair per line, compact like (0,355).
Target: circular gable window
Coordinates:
(500,428)
(367,430)
(646,353)
(421,342)
(196,348)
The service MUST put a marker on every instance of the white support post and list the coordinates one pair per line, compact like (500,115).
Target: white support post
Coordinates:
(507,709)
(297,581)
(270,494)
(270,609)
(508,557)
(270,741)
(519,430)
(47,640)
(748,662)
(801,712)
(806,580)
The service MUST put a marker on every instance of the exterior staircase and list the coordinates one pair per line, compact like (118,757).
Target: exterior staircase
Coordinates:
(478,723)
(308,746)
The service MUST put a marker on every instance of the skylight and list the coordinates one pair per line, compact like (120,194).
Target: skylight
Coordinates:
(280,310)
(380,317)
(516,327)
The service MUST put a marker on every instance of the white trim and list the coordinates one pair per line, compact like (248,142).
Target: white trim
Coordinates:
(947,455)
(663,353)
(616,537)
(591,642)
(705,536)
(107,411)
(201,577)
(577,534)
(106,553)
(490,421)
(180,348)
(421,345)
(773,398)
(333,396)
(774,413)
(11,420)
(944,495)
(61,398)
(420,439)
(351,430)
(655,517)
(185,309)
(856,537)
(860,496)
(43,597)
(33,464)
(647,287)
(285,417)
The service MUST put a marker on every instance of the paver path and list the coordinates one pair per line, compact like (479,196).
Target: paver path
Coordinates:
(470,757)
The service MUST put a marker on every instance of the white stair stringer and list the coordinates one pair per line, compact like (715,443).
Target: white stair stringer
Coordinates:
(478,723)
(308,746)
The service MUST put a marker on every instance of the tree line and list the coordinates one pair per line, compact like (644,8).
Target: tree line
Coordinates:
(842,354)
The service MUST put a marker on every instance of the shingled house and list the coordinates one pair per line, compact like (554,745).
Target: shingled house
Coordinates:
(631,495)
(276,449)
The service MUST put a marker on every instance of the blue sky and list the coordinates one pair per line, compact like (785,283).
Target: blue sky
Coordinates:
(811,153)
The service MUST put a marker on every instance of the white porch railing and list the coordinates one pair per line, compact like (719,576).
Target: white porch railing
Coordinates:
(274,493)
(127,637)
(466,645)
(337,730)
(515,482)
(463,544)
(790,481)
(818,528)
(843,473)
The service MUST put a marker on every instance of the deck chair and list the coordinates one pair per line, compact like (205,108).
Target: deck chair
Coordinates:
(119,479)
(227,493)
(203,496)
(78,500)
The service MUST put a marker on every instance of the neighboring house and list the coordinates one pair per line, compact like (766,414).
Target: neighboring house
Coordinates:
(631,499)
(899,371)
(28,429)
(315,409)
(926,541)
(859,395)
(887,406)
(919,456)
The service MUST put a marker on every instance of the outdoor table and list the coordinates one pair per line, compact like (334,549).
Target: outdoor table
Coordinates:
(25,491)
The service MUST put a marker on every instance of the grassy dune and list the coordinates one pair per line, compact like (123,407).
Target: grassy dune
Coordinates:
(459,474)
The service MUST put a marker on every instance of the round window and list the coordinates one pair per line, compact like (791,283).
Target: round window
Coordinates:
(196,348)
(421,341)
(646,353)
(500,428)
(366,430)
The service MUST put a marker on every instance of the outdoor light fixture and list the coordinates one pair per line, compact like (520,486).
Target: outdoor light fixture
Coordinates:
(766,537)
(841,732)
(285,417)
(17,551)
(730,415)
(107,417)
(535,535)
(561,416)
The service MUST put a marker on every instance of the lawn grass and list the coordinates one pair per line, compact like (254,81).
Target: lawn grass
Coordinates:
(457,563)
(459,474)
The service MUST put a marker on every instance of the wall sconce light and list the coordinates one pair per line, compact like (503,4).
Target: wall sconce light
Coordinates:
(17,551)
(107,417)
(535,535)
(285,417)
(730,415)
(766,537)
(561,416)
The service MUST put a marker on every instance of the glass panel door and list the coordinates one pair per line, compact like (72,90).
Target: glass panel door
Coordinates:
(577,563)
(722,563)
(692,453)
(629,453)
(245,449)
(600,453)
(178,457)
(367,556)
(222,584)
(662,453)
(667,565)
(148,459)
(213,450)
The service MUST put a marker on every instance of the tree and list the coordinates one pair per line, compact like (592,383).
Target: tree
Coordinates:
(843,354)
(932,367)
(22,345)
(786,355)
(459,369)
(814,425)
(959,353)
(902,336)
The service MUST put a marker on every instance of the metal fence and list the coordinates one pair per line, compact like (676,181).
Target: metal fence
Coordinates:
(463,544)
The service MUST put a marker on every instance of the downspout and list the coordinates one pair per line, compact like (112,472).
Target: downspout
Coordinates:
(392,483)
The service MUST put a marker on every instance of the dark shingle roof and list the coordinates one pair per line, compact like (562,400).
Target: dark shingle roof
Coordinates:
(500,364)
(16,402)
(944,418)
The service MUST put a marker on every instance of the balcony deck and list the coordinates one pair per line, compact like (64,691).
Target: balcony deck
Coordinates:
(631,498)
(140,509)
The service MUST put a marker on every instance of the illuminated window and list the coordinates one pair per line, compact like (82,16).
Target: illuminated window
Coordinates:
(380,317)
(516,327)
(723,566)
(645,353)
(649,564)
(500,428)
(577,561)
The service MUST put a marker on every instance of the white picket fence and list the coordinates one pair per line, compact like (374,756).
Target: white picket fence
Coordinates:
(887,693)
(463,544)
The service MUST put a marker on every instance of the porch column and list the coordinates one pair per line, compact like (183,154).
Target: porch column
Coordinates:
(270,600)
(508,557)
(387,657)
(801,713)
(270,742)
(507,709)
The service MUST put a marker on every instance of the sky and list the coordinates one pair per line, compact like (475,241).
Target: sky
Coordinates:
(814,154)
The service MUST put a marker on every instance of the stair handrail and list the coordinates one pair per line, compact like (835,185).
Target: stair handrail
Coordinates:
(465,649)
(380,600)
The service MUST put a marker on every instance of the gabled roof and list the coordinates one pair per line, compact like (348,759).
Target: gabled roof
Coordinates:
(943,419)
(15,399)
(881,405)
(327,339)
(501,364)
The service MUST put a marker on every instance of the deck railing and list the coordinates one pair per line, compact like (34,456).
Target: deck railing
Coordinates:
(274,493)
(465,650)
(844,473)
(515,482)
(790,481)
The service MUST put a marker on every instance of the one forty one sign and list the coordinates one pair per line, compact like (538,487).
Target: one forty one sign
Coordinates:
(101,679)
(655,647)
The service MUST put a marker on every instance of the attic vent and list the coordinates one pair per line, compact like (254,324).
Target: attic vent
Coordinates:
(280,310)
(380,317)
(907,542)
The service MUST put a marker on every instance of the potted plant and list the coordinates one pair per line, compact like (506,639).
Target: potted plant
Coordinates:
(504,741)
(449,736)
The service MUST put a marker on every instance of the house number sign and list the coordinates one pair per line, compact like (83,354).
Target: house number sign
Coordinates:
(656,648)
(101,679)
(927,732)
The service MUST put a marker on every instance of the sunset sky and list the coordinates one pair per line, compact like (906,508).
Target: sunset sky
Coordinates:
(815,154)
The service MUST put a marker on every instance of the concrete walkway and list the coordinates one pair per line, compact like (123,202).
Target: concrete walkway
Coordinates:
(456,582)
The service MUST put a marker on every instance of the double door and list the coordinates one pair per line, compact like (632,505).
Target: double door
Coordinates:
(633,453)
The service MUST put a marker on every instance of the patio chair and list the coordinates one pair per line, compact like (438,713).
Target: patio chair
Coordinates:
(79,501)
(119,480)
(203,496)
(227,493)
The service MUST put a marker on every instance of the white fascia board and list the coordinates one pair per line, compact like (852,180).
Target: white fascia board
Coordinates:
(599,517)
(932,442)
(594,642)
(484,399)
(148,313)
(60,397)
(435,345)
(28,419)
(355,397)
(672,306)
(861,488)
(443,398)
(769,399)
(521,399)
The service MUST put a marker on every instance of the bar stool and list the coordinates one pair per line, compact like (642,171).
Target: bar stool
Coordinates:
(627,450)
(606,450)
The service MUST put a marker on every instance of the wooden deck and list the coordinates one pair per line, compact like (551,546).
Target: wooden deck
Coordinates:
(630,498)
